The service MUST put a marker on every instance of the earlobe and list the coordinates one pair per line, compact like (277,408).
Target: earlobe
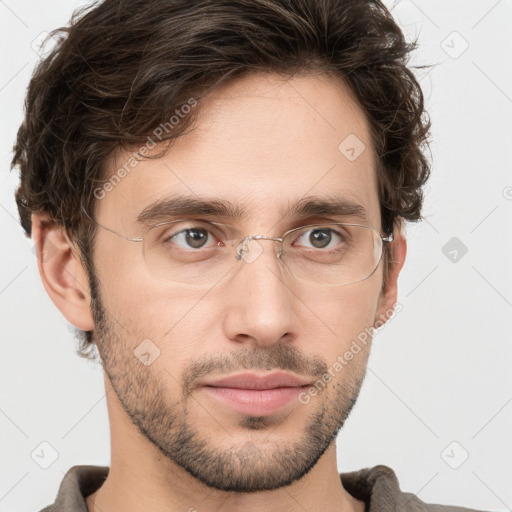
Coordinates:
(389,294)
(62,272)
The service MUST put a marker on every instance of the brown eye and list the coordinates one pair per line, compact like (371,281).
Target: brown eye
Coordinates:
(318,238)
(195,237)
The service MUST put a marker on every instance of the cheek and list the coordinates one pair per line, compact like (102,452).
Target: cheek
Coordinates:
(341,317)
(174,319)
(153,308)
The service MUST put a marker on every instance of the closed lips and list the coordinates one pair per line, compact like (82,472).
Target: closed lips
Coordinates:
(254,381)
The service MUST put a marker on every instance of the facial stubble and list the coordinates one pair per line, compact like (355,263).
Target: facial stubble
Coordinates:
(245,466)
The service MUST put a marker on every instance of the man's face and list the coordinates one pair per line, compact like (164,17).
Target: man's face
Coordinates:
(265,143)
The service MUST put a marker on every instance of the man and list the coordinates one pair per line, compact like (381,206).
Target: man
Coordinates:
(216,191)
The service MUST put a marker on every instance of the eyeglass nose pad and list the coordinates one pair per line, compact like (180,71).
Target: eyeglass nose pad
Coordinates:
(243,249)
(249,249)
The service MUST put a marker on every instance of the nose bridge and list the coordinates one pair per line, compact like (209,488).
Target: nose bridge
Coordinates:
(261,305)
(263,237)
(243,250)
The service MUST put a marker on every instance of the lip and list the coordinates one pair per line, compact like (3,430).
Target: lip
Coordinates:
(257,395)
(255,381)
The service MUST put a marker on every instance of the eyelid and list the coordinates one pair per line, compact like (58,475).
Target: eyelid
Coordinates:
(318,224)
(301,224)
(302,230)
(190,223)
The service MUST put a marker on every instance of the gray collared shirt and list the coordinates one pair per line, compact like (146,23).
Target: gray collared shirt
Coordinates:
(378,487)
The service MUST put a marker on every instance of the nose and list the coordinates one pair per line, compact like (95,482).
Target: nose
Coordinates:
(261,309)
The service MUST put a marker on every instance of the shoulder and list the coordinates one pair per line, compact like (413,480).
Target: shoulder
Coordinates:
(76,485)
(379,488)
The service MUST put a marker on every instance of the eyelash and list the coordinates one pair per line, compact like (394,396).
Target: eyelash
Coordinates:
(192,226)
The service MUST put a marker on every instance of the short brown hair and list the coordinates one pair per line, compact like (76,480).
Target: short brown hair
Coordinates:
(122,68)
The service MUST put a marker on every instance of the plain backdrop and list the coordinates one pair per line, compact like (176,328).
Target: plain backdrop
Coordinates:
(436,405)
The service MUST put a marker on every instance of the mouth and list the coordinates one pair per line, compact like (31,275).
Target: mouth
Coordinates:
(257,395)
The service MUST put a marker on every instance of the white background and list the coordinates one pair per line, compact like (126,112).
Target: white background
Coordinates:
(440,371)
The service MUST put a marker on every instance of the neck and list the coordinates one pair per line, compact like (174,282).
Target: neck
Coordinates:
(142,478)
(133,485)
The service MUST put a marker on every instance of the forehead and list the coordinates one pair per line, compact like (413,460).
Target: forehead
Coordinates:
(263,141)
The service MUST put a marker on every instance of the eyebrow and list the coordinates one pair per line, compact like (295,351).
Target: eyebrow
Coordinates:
(183,205)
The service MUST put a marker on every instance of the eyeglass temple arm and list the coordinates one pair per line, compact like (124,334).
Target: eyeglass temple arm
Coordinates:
(108,229)
(388,239)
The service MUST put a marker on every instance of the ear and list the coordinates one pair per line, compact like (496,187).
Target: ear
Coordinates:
(389,293)
(62,272)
